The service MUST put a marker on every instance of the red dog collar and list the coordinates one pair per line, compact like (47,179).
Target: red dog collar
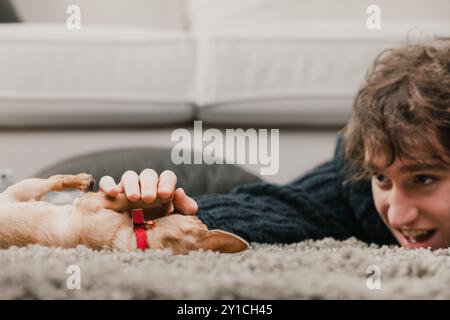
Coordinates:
(139,227)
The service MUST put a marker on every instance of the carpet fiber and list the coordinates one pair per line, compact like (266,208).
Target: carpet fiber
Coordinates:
(325,269)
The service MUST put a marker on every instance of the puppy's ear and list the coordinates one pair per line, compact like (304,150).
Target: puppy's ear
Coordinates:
(222,241)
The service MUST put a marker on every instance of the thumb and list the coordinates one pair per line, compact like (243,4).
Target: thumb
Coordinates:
(183,203)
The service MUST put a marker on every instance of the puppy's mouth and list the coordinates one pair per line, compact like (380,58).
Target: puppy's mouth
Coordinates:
(419,236)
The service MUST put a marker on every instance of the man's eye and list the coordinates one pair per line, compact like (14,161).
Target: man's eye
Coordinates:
(380,178)
(424,180)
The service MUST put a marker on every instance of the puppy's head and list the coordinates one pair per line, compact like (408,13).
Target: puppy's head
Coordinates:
(184,233)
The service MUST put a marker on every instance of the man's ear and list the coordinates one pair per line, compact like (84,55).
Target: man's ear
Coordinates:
(222,241)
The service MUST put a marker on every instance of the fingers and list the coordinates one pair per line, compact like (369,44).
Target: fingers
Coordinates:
(183,203)
(166,184)
(147,186)
(130,182)
(148,180)
(108,186)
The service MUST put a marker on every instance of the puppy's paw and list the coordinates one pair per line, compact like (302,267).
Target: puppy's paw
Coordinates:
(86,182)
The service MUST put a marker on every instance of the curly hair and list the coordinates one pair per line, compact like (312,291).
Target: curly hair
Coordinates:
(402,110)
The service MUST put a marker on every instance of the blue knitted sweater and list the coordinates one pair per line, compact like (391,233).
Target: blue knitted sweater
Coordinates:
(319,204)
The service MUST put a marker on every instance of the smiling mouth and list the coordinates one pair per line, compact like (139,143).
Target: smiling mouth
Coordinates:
(417,236)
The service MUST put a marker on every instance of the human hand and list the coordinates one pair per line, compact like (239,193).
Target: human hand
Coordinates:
(148,187)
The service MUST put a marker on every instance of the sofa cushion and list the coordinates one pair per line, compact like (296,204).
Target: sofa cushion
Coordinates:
(291,74)
(292,62)
(305,111)
(96,75)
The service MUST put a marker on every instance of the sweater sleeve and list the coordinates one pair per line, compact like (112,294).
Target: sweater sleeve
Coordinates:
(311,207)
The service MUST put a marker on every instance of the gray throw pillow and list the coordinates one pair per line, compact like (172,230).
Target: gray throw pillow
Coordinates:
(194,179)
(7,12)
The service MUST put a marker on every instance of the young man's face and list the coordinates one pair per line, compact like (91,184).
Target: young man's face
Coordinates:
(414,202)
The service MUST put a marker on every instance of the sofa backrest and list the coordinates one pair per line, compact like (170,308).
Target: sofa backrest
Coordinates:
(164,14)
(223,14)
(207,14)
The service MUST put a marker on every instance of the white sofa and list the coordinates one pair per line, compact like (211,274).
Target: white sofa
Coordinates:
(138,69)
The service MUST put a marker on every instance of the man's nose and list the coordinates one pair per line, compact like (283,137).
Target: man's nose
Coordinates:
(401,211)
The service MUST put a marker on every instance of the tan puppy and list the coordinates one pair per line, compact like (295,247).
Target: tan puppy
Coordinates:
(96,220)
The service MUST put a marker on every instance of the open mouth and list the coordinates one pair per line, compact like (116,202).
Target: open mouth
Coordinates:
(418,237)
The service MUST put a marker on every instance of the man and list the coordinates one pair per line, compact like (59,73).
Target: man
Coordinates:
(389,180)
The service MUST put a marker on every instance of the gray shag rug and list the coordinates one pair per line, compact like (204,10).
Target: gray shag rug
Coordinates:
(324,269)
